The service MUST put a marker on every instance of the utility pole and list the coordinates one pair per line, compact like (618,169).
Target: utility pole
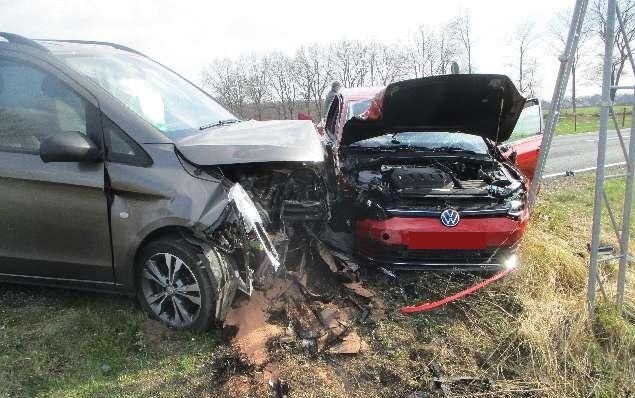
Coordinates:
(601,159)
(622,233)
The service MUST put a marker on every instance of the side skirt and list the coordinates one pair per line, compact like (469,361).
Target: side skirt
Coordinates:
(74,284)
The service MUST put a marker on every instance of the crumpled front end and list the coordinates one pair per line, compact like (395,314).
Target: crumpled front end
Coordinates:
(432,212)
(235,245)
(272,176)
(267,208)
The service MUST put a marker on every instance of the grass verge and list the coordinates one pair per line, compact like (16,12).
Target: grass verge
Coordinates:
(526,336)
(588,119)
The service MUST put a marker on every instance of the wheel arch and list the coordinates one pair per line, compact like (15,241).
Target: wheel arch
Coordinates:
(160,232)
(220,269)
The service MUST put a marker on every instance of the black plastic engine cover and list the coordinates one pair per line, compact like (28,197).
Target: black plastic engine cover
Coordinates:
(420,177)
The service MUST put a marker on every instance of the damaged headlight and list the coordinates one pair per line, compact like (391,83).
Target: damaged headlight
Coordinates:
(516,208)
(253,221)
(371,208)
(503,191)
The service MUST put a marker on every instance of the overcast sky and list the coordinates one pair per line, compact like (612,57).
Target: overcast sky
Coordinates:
(186,35)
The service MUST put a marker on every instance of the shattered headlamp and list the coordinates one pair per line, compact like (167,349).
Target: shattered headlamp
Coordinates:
(371,208)
(516,208)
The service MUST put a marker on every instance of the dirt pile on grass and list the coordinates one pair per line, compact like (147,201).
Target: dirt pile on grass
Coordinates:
(312,310)
(528,335)
(253,332)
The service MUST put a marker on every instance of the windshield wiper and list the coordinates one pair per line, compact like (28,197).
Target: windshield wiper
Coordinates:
(218,124)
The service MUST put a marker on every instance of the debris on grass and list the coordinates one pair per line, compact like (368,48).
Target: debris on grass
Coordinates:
(280,388)
(358,289)
(253,332)
(301,309)
(228,362)
(526,337)
(350,344)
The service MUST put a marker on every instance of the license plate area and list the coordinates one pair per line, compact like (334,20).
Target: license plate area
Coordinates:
(447,240)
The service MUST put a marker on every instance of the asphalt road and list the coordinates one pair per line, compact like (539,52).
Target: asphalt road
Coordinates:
(578,152)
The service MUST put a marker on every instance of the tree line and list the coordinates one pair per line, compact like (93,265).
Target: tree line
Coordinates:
(279,85)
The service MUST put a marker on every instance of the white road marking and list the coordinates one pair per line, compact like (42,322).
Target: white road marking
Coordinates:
(581,170)
(609,138)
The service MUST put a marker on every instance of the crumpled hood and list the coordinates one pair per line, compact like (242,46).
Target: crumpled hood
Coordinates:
(480,104)
(254,141)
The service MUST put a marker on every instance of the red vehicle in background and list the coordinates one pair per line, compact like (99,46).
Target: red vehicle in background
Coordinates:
(526,138)
(437,168)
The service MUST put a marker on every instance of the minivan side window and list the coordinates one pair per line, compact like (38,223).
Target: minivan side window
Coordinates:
(120,148)
(35,104)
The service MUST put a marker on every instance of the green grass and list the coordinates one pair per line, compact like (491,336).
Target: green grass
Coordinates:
(55,343)
(529,333)
(588,119)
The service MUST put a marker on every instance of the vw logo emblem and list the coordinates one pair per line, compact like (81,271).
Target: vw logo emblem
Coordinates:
(450,217)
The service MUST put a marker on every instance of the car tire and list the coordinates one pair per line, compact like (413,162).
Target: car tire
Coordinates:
(173,285)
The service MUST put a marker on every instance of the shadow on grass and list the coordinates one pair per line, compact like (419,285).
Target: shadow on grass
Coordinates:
(66,343)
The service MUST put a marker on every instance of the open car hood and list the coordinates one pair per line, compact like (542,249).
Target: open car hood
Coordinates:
(479,104)
(254,142)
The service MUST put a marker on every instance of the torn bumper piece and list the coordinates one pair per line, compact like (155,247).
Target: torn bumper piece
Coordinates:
(240,225)
(253,222)
(431,305)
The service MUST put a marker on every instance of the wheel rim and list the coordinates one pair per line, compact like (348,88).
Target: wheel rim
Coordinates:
(171,289)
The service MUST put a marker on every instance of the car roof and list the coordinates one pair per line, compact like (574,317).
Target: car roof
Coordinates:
(83,47)
(59,47)
(359,93)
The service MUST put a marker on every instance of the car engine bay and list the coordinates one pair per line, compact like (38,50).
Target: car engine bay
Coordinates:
(431,184)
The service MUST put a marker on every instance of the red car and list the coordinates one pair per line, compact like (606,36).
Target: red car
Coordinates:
(436,170)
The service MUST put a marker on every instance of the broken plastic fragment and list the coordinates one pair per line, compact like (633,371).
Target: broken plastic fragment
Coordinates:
(359,290)
(350,344)
(253,221)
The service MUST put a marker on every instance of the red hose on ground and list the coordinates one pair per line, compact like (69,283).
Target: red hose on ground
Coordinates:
(427,306)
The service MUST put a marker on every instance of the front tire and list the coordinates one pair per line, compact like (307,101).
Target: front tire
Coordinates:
(172,285)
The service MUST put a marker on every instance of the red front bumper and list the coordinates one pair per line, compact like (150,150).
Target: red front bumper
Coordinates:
(414,242)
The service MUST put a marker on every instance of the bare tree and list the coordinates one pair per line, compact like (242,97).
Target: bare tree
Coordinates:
(421,52)
(283,83)
(598,21)
(226,80)
(257,88)
(532,80)
(314,65)
(559,29)
(523,41)
(447,48)
(385,63)
(350,62)
(462,27)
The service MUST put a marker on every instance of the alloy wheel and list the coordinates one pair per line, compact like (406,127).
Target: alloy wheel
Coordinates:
(171,289)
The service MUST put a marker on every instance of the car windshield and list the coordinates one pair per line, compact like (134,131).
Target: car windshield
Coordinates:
(161,97)
(356,108)
(429,140)
(529,123)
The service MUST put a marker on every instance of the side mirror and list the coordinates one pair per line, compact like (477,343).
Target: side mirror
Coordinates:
(70,146)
